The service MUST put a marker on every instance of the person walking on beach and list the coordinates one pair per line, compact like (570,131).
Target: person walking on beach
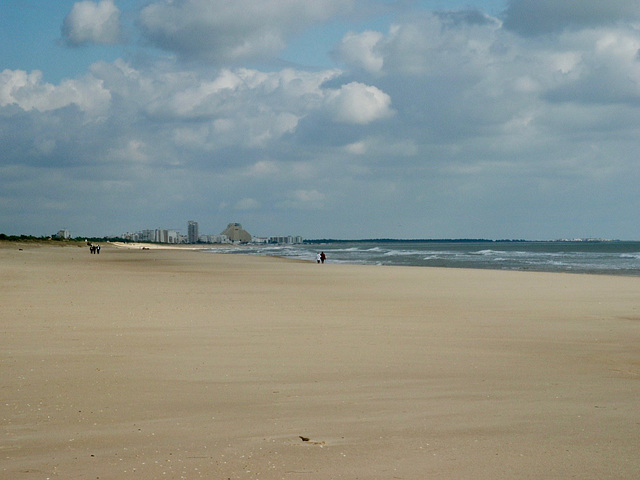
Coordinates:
(318,258)
(323,257)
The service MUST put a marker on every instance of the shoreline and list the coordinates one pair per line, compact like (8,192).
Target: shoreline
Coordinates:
(164,246)
(576,258)
(311,258)
(158,363)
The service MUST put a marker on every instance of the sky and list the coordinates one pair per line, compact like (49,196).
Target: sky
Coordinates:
(498,119)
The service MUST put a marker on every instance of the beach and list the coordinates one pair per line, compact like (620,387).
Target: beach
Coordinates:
(180,364)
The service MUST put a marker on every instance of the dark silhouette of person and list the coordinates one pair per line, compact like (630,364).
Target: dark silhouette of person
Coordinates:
(323,257)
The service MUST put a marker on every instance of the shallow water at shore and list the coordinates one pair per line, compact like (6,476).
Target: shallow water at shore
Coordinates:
(612,258)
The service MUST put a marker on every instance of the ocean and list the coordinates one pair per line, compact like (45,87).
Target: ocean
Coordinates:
(594,257)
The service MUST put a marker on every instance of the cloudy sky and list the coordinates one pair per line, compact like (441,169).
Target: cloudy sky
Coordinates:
(331,118)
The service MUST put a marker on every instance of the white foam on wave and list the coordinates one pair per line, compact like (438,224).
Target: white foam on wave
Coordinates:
(486,252)
(399,253)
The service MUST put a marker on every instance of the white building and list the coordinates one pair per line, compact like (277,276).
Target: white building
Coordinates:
(214,239)
(146,235)
(287,240)
(166,236)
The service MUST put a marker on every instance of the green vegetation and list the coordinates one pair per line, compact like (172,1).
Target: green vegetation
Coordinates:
(23,238)
(52,240)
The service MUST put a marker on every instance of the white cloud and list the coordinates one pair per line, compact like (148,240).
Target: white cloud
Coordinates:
(221,31)
(302,200)
(92,23)
(357,103)
(247,204)
(431,44)
(263,168)
(597,65)
(242,106)
(382,146)
(308,196)
(356,148)
(29,92)
(359,49)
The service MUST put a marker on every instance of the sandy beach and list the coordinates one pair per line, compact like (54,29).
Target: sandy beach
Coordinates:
(178,364)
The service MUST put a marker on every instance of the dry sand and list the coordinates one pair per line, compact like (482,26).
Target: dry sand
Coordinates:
(174,364)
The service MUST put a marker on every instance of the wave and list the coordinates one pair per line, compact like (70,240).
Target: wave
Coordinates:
(553,257)
(399,253)
(351,249)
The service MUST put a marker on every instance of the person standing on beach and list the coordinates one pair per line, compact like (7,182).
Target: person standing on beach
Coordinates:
(318,258)
(323,257)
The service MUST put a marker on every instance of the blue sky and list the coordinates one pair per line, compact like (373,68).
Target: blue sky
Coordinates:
(338,118)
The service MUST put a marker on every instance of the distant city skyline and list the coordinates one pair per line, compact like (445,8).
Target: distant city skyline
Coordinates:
(234,233)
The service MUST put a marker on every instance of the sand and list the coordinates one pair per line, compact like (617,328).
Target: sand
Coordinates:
(182,365)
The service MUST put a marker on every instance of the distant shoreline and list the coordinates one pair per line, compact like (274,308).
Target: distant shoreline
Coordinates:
(459,240)
(82,241)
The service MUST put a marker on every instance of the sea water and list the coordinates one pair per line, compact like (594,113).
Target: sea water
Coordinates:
(604,257)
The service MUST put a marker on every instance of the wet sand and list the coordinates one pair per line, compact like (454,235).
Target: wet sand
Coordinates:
(149,364)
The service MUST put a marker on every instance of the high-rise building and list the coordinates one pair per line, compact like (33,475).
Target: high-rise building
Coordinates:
(192,232)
